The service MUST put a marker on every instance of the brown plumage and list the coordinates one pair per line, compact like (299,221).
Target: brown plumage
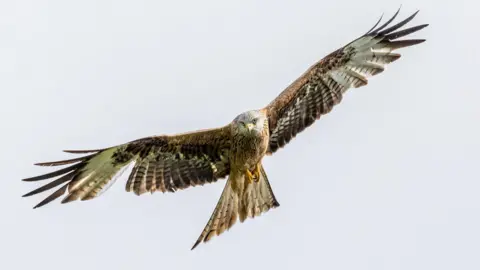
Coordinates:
(169,163)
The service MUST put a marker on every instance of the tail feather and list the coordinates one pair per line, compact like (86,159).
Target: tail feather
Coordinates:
(258,199)
(86,179)
(224,215)
(239,200)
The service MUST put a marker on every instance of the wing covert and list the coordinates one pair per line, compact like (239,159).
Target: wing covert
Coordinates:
(167,163)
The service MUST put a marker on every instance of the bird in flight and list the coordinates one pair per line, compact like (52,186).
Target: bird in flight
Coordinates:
(168,163)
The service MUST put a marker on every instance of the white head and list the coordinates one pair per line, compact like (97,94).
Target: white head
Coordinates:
(251,122)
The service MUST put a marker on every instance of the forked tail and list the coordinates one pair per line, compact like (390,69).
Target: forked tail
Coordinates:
(239,199)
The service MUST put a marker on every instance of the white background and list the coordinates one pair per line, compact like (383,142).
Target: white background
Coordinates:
(388,180)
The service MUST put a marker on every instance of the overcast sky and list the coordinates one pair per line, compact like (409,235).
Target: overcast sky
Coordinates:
(388,180)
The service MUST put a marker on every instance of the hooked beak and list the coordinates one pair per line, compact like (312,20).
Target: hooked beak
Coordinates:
(250,126)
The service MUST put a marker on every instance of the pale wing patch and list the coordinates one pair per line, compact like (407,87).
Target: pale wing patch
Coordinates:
(87,179)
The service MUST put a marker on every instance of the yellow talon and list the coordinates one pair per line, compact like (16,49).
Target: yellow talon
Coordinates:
(249,176)
(256,173)
(253,175)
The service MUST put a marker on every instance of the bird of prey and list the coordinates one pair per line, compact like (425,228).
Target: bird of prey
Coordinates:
(168,163)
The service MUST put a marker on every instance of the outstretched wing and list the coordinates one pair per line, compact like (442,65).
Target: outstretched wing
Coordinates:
(164,163)
(322,86)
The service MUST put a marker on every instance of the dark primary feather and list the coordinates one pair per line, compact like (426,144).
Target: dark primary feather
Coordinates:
(55,173)
(164,163)
(69,173)
(322,86)
(396,26)
(59,192)
(383,25)
(67,161)
(375,25)
(82,151)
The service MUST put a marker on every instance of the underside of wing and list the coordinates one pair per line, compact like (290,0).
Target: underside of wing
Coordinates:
(85,177)
(164,163)
(322,86)
(170,163)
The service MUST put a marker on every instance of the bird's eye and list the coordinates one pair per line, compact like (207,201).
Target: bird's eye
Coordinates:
(254,121)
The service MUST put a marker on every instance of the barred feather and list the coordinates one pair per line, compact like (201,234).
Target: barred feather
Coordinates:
(239,200)
(170,167)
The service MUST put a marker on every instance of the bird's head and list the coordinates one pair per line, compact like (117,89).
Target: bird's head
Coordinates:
(251,122)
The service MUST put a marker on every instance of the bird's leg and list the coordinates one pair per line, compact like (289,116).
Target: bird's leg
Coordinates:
(256,172)
(253,175)
(249,176)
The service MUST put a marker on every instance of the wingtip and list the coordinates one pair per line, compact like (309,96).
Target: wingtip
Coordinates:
(51,163)
(39,205)
(415,14)
(417,41)
(398,10)
(28,194)
(29,179)
(375,25)
(376,30)
(82,151)
(43,164)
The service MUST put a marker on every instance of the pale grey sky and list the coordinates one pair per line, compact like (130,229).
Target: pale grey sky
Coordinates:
(388,180)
